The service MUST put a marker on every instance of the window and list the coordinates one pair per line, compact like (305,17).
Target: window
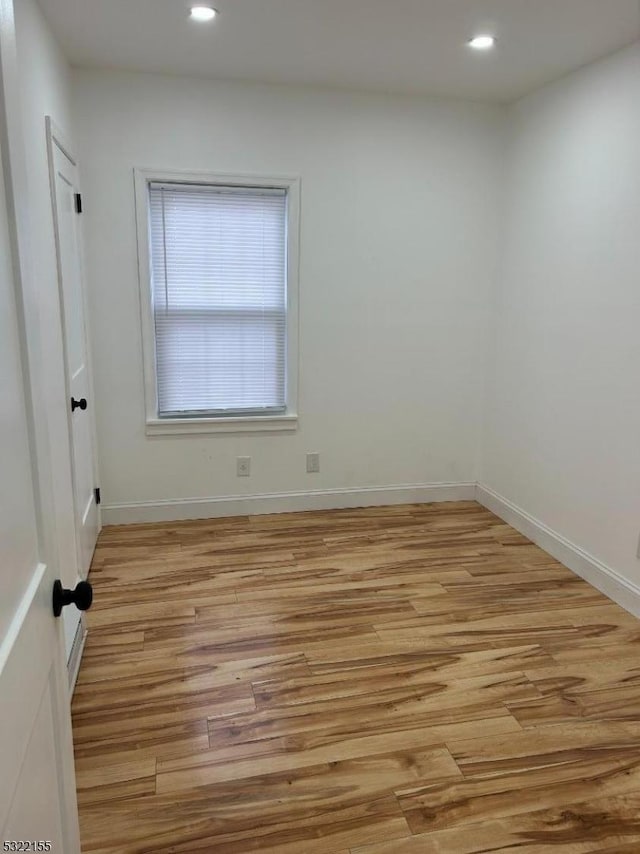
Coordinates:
(218,281)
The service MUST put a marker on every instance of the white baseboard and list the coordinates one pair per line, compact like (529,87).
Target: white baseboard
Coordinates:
(601,576)
(284,502)
(75,656)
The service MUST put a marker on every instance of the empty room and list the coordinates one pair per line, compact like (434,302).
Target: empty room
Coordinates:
(320,426)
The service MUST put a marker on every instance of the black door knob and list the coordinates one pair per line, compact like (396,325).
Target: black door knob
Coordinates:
(78,404)
(81,597)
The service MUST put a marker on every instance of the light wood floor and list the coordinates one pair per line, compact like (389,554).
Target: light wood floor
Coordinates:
(382,681)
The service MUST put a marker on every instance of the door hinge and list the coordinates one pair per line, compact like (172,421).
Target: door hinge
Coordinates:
(78,198)
(96,492)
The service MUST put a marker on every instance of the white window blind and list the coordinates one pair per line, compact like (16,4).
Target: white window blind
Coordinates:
(218,276)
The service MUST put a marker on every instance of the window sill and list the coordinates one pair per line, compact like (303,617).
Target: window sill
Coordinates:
(240,424)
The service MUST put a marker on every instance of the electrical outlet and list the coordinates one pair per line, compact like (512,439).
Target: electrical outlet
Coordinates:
(243,466)
(313,463)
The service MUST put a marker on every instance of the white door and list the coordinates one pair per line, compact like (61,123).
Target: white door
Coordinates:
(65,192)
(37,782)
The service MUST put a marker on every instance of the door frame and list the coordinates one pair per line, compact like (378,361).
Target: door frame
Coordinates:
(57,138)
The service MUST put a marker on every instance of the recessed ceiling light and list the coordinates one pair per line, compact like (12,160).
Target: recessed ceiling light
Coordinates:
(482,42)
(202,13)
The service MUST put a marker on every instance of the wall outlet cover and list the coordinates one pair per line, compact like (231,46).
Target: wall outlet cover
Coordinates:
(243,466)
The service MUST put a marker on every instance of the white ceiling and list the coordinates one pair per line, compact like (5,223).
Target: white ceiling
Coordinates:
(408,46)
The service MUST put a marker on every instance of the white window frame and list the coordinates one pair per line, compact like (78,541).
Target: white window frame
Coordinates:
(156,426)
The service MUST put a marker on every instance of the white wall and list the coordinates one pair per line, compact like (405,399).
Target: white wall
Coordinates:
(562,438)
(399,229)
(46,90)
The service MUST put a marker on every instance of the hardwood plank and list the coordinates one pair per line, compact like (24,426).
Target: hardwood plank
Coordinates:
(360,772)
(311,748)
(525,786)
(141,616)
(145,742)
(151,665)
(392,710)
(197,823)
(550,629)
(350,610)
(253,639)
(609,704)
(98,783)
(446,661)
(117,719)
(575,829)
(108,644)
(615,653)
(545,746)
(585,677)
(495,599)
(173,684)
(545,711)
(405,587)
(274,693)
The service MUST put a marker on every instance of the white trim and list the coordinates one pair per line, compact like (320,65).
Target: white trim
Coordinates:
(155,426)
(603,577)
(75,656)
(238,424)
(285,502)
(20,615)
(55,134)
